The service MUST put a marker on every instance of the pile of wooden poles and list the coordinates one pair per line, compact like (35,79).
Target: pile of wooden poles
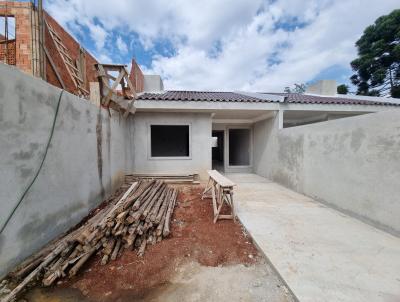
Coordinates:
(141,216)
(167,178)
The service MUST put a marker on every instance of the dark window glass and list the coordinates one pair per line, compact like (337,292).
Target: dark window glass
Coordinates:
(169,140)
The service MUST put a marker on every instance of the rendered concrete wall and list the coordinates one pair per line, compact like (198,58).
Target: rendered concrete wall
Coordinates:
(352,164)
(200,143)
(153,82)
(88,155)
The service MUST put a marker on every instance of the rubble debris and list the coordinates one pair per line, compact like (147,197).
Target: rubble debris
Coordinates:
(140,217)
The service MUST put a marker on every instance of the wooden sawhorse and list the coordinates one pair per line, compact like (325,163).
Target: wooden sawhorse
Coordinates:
(221,190)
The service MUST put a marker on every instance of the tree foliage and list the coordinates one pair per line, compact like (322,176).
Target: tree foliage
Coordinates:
(343,89)
(297,88)
(378,64)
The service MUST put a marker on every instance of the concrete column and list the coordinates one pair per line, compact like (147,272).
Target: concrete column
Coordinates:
(280,119)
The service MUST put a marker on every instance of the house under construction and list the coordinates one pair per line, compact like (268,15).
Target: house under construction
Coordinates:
(62,154)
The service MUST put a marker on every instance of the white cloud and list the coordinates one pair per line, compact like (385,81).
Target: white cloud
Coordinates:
(231,45)
(121,45)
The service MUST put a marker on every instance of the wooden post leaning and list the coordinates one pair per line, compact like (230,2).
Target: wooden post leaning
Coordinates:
(220,190)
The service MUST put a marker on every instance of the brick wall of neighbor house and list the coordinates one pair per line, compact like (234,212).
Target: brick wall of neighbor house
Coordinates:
(26,47)
(7,52)
(136,77)
(74,49)
(22,11)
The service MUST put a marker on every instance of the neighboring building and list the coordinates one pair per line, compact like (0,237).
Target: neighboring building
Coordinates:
(61,62)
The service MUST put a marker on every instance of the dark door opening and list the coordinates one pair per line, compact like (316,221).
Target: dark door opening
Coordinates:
(239,147)
(218,151)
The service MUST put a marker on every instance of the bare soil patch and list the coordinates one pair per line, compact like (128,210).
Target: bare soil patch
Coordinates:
(194,238)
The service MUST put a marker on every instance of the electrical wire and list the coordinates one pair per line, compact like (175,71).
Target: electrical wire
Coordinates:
(40,166)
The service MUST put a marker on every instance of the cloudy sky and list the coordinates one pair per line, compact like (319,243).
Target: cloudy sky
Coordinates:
(252,45)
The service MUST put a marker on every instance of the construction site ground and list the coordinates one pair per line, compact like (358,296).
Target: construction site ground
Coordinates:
(200,261)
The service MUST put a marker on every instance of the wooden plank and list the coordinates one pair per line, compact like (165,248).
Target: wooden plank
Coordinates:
(83,89)
(100,70)
(66,58)
(106,99)
(220,179)
(71,65)
(61,55)
(66,54)
(113,67)
(54,68)
(95,93)
(161,174)
(128,80)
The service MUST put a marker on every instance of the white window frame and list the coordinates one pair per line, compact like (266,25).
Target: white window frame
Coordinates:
(150,157)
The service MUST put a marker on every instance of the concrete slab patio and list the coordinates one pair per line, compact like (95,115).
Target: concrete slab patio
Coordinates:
(322,254)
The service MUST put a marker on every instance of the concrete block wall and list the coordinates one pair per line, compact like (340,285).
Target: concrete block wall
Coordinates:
(87,158)
(352,164)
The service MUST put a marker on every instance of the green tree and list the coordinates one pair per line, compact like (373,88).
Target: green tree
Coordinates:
(378,64)
(343,89)
(298,88)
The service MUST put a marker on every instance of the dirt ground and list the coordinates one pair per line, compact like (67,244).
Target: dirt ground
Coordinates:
(200,261)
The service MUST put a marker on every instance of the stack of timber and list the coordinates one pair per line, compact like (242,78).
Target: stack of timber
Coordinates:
(141,216)
(168,178)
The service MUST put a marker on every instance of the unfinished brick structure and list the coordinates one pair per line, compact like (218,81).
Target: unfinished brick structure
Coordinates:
(66,64)
(62,62)
(22,50)
(136,76)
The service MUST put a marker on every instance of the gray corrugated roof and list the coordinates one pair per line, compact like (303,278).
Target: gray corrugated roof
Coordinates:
(296,98)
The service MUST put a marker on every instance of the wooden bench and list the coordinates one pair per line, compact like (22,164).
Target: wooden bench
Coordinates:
(220,189)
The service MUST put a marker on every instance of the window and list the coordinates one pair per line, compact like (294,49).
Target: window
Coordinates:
(7,28)
(7,40)
(169,140)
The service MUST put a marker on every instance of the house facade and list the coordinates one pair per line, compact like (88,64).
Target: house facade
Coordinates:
(193,131)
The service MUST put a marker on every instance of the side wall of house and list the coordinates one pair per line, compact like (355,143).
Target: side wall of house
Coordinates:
(200,143)
(352,164)
(88,155)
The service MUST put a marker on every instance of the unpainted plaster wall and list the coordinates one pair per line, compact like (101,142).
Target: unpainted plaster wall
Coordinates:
(353,164)
(200,143)
(87,158)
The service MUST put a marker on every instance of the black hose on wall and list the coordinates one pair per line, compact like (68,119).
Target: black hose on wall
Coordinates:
(40,166)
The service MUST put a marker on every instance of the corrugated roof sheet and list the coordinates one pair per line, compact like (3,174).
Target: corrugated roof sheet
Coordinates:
(294,98)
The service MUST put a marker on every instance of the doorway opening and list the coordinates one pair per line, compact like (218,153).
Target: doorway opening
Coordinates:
(239,147)
(218,150)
